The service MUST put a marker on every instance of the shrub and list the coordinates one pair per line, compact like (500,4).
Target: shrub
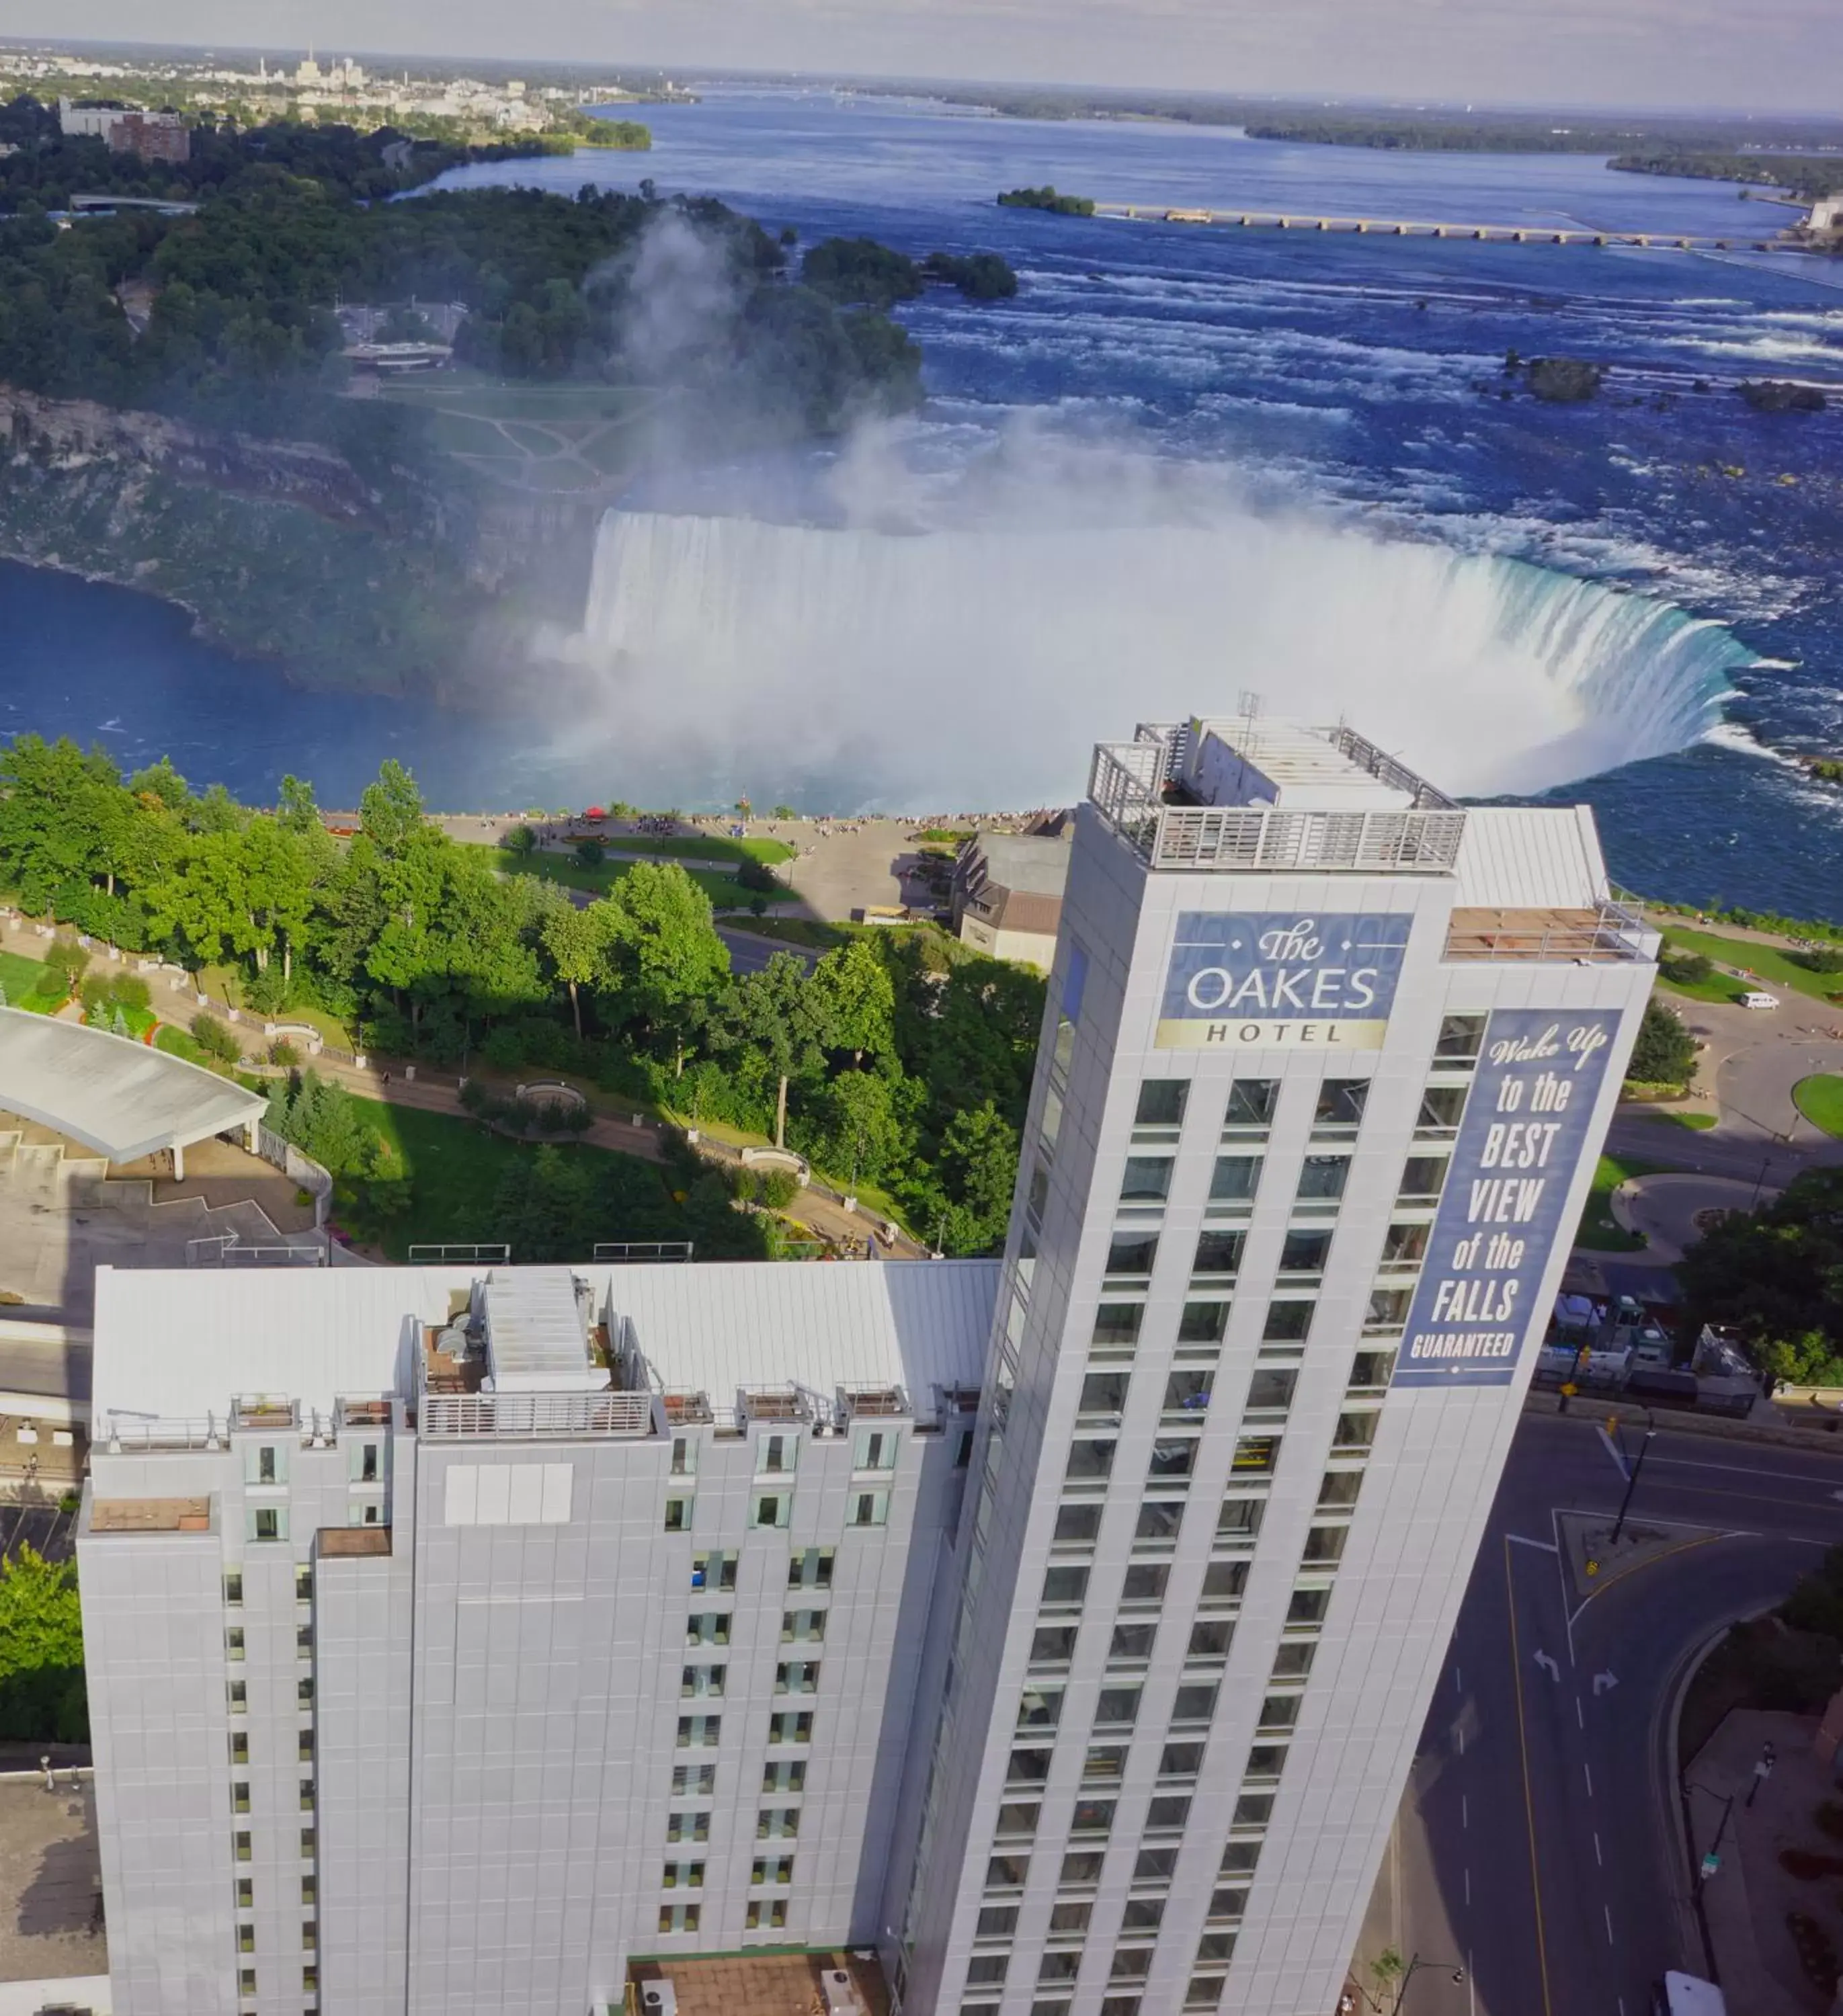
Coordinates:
(69,961)
(779,1188)
(1687,969)
(282,1051)
(1806,1865)
(1826,959)
(520,841)
(591,853)
(504,1047)
(216,1038)
(131,991)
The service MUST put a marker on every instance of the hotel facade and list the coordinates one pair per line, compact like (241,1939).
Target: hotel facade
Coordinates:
(1059,1628)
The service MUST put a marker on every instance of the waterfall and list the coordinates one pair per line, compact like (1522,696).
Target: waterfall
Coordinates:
(973,668)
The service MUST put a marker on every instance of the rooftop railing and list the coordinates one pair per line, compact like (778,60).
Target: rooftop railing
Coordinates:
(1609,932)
(534,1417)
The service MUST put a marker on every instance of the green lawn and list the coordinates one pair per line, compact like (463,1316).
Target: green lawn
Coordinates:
(1701,1122)
(1821,1099)
(702,847)
(29,984)
(455,1165)
(1600,1232)
(724,891)
(807,931)
(1774,966)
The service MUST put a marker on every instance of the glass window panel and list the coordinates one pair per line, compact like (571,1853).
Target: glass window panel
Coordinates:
(1460,1036)
(1339,1488)
(1239,1857)
(1175,1458)
(1325,1543)
(1143,1914)
(1104,1764)
(1132,1252)
(1305,1252)
(1194,1702)
(1072,1917)
(1240,1515)
(1187,1392)
(1145,1582)
(1256,1455)
(1092,1817)
(1340,1102)
(1219,1252)
(1308,1606)
(1154,1865)
(1355,1431)
(1405,1244)
(1235,1178)
(1421,1176)
(1168,1814)
(1104,1392)
(1065,1586)
(1118,1322)
(1078,1523)
(1440,1107)
(1132,1641)
(1202,1323)
(1294,1662)
(1161,1101)
(1090,1459)
(1007,1872)
(1209,1639)
(1270,1390)
(1321,1176)
(1159,1519)
(1052,1645)
(1147,1180)
(1082,1866)
(1117,1704)
(1223,1580)
(1251,1102)
(1287,1322)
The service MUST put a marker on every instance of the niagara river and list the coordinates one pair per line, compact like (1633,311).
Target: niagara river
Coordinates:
(1182,464)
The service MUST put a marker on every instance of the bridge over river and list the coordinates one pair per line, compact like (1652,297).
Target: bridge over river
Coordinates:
(1501,234)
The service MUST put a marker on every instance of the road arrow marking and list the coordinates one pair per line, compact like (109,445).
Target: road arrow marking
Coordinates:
(1554,1670)
(1604,1682)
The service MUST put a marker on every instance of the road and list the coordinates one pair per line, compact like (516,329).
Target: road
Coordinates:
(1535,1845)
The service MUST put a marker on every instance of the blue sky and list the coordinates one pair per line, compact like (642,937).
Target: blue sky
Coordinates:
(1746,55)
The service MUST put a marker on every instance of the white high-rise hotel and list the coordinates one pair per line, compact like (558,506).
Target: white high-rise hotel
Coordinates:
(1063,1627)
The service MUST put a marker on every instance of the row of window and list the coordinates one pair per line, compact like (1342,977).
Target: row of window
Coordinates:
(763,1914)
(246,1983)
(774,1869)
(1132,1251)
(773,1508)
(266,1463)
(809,1568)
(779,1455)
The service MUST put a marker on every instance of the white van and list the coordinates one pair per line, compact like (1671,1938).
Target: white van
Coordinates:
(1686,1995)
(1757,999)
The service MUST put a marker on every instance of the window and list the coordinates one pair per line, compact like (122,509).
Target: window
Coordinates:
(367,1464)
(769,1912)
(1209,1639)
(691,1825)
(1196,1702)
(1104,1393)
(1180,1760)
(698,1681)
(694,1781)
(778,1823)
(1117,1706)
(987,1970)
(1052,1645)
(303,1584)
(1082,1866)
(1256,1455)
(699,1732)
(1340,1102)
(1070,1918)
(708,1627)
(1338,1490)
(1202,1323)
(771,1868)
(1278,1712)
(1270,1390)
(795,1726)
(1056,1968)
(1387,1309)
(246,1892)
(1405,1244)
(239,1747)
(1147,1180)
(246,1980)
(1161,1101)
(1253,1809)
(1305,1252)
(1354,1432)
(1266,1761)
(1235,1178)
(678,1917)
(1461,1037)
(1143,1914)
(870,1508)
(811,1567)
(1131,1254)
(772,1508)
(1219,1252)
(797,1676)
(306,1796)
(1421,1176)
(1040,1708)
(265,1465)
(1078,1523)
(1186,1391)
(1173,1459)
(1294,1662)
(1370,1371)
(1145,1582)
(268,1522)
(310,1980)
(1017,1820)
(716,1572)
(1251,1102)
(1239,1857)
(1132,1641)
(1215,1948)
(1323,1176)
(1130,1964)
(1039,1191)
(1240,1518)
(244,1851)
(1064,1588)
(775,1454)
(239,1795)
(1090,1461)
(1092,1817)
(784,1777)
(1308,1606)
(802,1627)
(233,1587)
(1007,1872)
(678,1515)
(1205,1992)
(1224,1581)
(1325,1544)
(1159,1519)
(1104,1764)
(1120,2005)
(1118,1322)
(1229,1906)
(303,1640)
(307,1844)
(1440,1107)
(875,1449)
(1287,1322)
(304,1747)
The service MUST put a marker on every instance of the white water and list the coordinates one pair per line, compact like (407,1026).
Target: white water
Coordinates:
(957,667)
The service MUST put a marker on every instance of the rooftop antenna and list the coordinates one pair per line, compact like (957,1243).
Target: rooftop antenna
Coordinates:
(1250,705)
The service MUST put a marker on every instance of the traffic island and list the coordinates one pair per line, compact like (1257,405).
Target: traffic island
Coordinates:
(1764,1877)
(1596,1559)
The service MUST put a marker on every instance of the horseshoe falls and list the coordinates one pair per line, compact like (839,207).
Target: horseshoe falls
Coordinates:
(974,668)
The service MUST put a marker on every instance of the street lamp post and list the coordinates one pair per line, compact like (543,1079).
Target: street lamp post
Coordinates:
(1762,1771)
(1712,1858)
(1413,1967)
(1631,1481)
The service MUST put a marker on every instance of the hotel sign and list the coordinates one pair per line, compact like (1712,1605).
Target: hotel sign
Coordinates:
(1269,980)
(1519,1142)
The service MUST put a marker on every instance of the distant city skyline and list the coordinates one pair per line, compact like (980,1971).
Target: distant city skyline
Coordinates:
(1772,56)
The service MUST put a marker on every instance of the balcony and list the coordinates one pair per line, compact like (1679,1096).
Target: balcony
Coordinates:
(1608,934)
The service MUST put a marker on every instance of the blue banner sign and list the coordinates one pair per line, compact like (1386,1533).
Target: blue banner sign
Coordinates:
(1520,1142)
(1270,979)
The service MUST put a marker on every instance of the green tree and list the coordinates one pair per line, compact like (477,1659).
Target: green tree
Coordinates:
(520,842)
(854,999)
(968,1198)
(664,963)
(774,1012)
(42,1690)
(1776,1276)
(1665,1051)
(573,939)
(860,1130)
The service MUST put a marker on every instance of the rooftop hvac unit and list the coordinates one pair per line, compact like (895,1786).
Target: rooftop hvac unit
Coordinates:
(839,1992)
(658,1998)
